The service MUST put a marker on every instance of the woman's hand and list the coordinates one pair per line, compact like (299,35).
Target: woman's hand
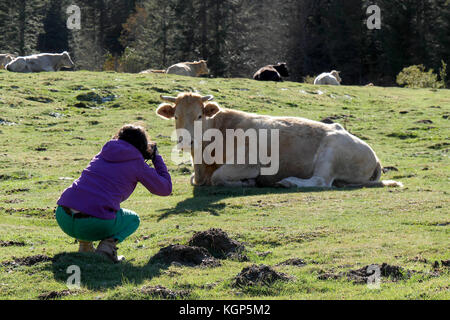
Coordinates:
(154,151)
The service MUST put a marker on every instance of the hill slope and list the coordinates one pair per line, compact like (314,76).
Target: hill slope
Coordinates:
(52,124)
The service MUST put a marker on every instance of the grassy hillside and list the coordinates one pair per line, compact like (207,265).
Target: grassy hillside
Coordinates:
(52,124)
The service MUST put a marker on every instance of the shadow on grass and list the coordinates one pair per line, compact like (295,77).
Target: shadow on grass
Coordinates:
(97,273)
(206,198)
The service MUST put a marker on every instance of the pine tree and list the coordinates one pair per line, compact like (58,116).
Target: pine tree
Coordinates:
(9,40)
(54,36)
(237,37)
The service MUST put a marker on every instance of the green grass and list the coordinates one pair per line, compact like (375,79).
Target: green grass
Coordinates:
(44,137)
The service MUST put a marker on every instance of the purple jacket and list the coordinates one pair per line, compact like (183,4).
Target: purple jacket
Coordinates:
(111,178)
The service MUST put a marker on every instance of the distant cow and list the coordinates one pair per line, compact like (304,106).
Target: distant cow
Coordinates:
(272,73)
(189,69)
(5,59)
(331,78)
(44,62)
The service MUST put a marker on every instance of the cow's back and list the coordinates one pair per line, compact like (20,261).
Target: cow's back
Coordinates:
(267,73)
(320,79)
(41,62)
(299,140)
(326,79)
(181,69)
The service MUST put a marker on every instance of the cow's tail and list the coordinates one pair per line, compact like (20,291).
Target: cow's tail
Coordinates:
(375,181)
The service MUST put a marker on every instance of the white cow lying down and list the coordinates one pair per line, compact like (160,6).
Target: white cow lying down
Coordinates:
(44,62)
(311,154)
(331,78)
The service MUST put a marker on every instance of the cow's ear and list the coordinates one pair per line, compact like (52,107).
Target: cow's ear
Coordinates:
(211,109)
(166,111)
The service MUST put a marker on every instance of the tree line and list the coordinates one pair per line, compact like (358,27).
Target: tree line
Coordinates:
(236,36)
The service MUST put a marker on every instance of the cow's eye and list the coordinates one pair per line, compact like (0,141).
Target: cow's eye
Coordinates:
(199,117)
(176,118)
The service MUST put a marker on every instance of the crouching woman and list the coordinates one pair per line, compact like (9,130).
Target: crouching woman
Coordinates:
(90,210)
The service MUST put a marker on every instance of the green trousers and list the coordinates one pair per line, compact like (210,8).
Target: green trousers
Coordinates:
(94,229)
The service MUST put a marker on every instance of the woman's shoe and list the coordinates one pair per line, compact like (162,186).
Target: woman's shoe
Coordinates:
(86,246)
(108,248)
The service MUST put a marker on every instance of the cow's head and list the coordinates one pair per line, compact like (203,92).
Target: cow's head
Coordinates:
(66,61)
(282,69)
(202,67)
(336,74)
(188,109)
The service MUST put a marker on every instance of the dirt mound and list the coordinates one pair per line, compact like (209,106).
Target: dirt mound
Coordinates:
(95,97)
(394,272)
(12,244)
(90,96)
(54,295)
(13,191)
(328,120)
(425,121)
(439,146)
(217,242)
(40,99)
(445,263)
(258,275)
(333,118)
(362,275)
(26,261)
(330,276)
(236,256)
(186,256)
(164,293)
(81,105)
(293,262)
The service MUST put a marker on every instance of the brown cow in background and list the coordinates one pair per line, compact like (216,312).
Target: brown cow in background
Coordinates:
(272,73)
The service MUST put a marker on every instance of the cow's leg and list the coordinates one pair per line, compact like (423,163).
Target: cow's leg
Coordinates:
(323,176)
(236,176)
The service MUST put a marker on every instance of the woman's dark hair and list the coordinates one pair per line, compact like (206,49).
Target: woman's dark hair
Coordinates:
(136,136)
